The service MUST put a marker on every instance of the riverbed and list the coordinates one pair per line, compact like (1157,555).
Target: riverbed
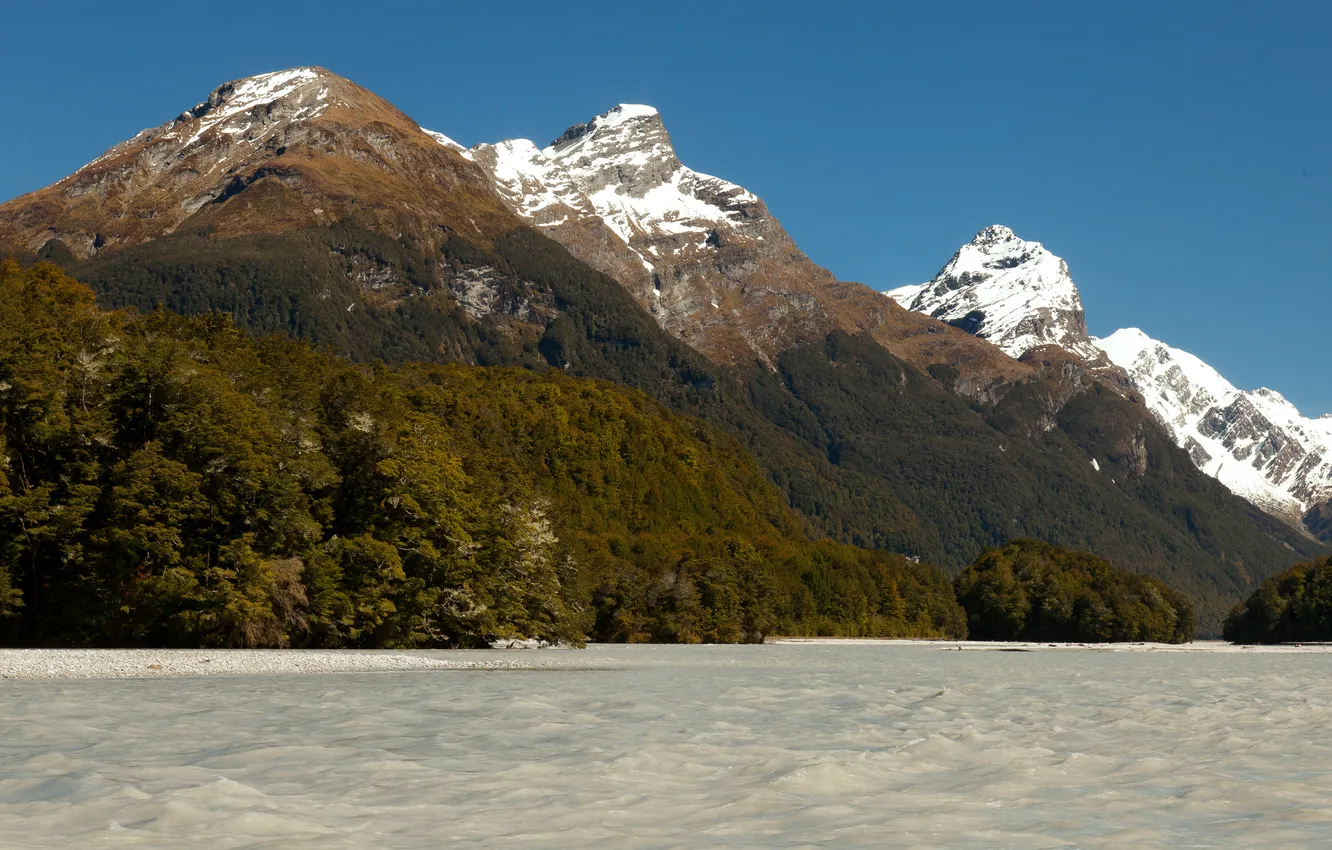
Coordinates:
(787,745)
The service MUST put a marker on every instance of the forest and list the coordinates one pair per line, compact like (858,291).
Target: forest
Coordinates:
(173,481)
(1294,605)
(867,449)
(1029,590)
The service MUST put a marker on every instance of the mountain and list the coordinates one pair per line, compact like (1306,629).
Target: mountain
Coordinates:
(304,147)
(331,216)
(705,256)
(1010,291)
(1021,297)
(1255,442)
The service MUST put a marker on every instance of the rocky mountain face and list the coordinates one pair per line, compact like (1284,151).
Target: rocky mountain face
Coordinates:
(299,203)
(1255,442)
(1021,297)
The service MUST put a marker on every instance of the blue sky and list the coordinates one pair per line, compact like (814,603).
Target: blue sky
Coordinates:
(1177,155)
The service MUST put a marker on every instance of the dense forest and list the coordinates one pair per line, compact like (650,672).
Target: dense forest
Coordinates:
(172,481)
(871,451)
(1030,590)
(1295,605)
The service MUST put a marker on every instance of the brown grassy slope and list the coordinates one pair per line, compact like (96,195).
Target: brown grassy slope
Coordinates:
(361,159)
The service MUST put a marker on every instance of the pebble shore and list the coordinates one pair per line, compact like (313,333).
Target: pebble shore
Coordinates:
(149,663)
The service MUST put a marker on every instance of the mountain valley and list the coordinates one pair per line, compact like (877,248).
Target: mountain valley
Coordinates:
(300,204)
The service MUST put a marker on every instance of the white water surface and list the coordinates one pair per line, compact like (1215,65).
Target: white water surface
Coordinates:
(828,745)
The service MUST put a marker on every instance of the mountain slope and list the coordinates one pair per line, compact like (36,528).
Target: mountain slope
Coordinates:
(1103,477)
(168,481)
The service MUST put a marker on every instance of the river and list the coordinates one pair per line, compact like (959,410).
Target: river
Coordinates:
(831,745)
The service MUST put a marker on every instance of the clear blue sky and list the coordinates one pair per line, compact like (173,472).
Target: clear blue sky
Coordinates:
(1178,155)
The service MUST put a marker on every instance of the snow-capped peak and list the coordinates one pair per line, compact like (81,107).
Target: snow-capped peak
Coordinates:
(1255,442)
(624,163)
(1010,291)
(703,255)
(995,234)
(239,95)
(623,122)
(619,167)
(1019,296)
(238,114)
(624,112)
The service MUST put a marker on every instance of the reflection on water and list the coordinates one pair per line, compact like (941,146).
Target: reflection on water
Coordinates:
(846,746)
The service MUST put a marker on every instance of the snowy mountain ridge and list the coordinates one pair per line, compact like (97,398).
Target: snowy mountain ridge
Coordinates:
(1254,441)
(624,161)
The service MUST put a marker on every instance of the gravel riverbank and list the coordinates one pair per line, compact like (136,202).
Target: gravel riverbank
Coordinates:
(145,663)
(152,663)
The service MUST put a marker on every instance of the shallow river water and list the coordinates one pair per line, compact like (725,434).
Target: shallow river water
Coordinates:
(771,746)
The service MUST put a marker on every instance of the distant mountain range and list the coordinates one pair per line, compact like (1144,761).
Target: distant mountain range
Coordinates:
(1019,296)
(300,203)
